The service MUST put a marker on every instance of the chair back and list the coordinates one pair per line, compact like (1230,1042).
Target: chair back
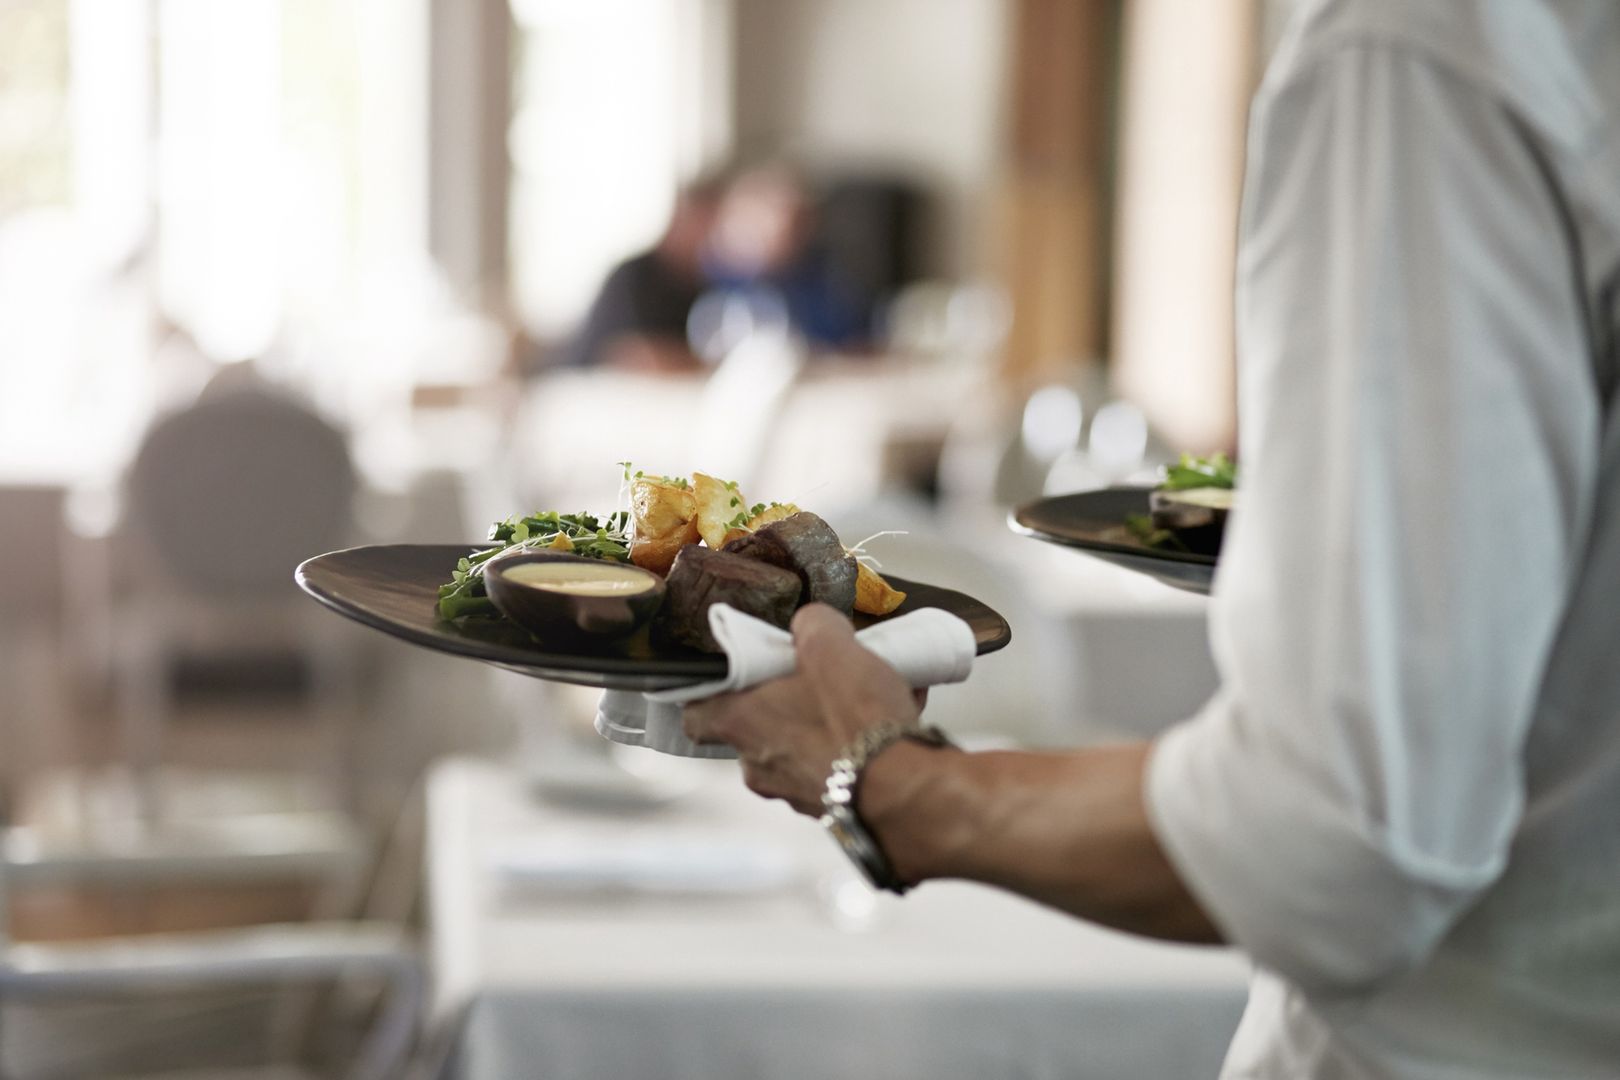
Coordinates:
(232,493)
(741,406)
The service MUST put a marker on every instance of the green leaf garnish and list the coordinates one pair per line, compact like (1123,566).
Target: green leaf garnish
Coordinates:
(592,537)
(1216,471)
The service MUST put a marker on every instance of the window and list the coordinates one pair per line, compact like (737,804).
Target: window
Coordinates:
(614,102)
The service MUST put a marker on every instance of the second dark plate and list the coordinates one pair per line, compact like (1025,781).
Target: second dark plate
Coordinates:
(1094,522)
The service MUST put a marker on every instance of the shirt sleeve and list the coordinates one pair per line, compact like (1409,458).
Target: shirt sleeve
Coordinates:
(1419,435)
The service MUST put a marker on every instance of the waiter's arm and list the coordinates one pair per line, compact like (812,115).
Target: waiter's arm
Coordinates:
(1419,433)
(1067,829)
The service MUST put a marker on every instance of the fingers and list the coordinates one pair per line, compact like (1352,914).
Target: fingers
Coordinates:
(787,731)
(740,719)
(777,774)
(770,770)
(821,637)
(827,652)
(853,687)
(707,723)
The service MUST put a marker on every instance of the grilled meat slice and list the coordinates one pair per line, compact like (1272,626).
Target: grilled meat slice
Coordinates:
(806,545)
(702,577)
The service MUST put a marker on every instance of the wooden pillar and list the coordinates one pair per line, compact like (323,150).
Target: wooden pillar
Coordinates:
(1189,70)
(1055,188)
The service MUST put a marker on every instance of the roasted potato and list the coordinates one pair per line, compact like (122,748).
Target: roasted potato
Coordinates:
(775,512)
(873,595)
(659,555)
(718,504)
(661,507)
(771,514)
(663,517)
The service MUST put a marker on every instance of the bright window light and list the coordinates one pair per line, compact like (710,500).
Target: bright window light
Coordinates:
(593,144)
(1052,419)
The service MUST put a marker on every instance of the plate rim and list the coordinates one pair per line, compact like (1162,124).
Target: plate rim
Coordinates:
(647,674)
(1017,523)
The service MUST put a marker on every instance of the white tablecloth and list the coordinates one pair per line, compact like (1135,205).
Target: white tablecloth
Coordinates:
(955,980)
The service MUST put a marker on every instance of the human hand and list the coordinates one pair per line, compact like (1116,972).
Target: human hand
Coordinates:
(788,731)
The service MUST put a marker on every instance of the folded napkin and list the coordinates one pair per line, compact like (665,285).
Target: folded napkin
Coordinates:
(927,647)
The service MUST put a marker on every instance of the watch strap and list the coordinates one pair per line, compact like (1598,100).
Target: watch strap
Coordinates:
(840,816)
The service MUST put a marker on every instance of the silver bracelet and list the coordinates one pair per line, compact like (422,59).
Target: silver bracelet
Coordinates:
(840,817)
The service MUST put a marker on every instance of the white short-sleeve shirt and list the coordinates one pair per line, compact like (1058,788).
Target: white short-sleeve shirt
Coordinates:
(1404,802)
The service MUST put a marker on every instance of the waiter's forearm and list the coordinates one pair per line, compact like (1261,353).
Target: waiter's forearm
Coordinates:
(1067,829)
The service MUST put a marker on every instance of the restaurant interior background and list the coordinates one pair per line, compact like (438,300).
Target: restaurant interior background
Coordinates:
(390,217)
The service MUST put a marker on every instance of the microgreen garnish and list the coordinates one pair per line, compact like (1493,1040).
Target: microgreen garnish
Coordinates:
(1216,471)
(582,534)
(1142,528)
(859,550)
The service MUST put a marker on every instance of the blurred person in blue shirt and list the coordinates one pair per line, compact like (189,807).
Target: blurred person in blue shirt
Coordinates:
(638,320)
(763,253)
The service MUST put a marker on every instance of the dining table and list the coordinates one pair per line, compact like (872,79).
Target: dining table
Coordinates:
(625,914)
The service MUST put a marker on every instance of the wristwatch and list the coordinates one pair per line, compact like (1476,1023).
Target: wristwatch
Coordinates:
(839,816)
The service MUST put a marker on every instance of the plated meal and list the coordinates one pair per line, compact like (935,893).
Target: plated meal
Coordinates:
(1171,532)
(620,602)
(683,545)
(1188,510)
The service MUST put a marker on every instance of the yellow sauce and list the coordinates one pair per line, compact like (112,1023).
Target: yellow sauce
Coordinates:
(580,579)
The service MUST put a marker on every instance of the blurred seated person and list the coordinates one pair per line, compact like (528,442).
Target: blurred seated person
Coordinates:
(638,320)
(762,253)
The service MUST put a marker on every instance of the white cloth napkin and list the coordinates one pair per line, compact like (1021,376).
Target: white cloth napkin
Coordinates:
(927,647)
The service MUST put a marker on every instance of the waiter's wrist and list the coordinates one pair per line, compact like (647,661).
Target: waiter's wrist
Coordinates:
(912,800)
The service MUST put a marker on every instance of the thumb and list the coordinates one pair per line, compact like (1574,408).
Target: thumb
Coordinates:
(822,638)
(852,687)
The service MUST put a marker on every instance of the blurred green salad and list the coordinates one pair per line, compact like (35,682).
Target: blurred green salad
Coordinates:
(577,534)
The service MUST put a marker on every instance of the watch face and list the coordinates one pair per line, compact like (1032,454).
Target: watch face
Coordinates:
(854,842)
(837,827)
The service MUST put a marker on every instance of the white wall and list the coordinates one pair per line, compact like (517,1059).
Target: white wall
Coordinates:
(912,85)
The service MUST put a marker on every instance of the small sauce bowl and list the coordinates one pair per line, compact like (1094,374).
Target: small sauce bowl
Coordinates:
(573,595)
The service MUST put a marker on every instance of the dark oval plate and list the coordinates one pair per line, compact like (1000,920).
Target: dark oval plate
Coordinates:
(1094,522)
(394,588)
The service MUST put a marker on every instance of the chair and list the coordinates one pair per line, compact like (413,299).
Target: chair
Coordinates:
(741,406)
(223,500)
(134,971)
(30,628)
